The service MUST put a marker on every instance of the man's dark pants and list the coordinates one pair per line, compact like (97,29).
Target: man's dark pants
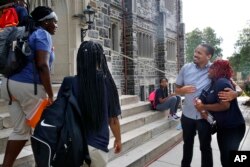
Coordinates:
(190,126)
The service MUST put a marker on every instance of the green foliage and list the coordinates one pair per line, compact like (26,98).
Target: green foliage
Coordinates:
(240,61)
(193,39)
(196,37)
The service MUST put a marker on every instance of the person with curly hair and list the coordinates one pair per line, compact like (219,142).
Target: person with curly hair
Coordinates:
(191,80)
(230,122)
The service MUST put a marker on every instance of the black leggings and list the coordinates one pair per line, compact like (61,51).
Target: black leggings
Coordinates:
(229,140)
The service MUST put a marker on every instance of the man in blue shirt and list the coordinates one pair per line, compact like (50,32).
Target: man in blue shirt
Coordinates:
(192,79)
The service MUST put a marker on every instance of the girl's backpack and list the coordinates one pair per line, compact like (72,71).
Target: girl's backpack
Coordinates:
(59,137)
(14,50)
(151,98)
(9,18)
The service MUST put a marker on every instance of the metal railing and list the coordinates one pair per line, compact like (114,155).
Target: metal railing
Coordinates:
(137,61)
(145,93)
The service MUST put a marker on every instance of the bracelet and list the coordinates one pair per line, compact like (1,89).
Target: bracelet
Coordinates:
(203,111)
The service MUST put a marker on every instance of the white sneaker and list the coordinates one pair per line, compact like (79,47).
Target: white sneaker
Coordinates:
(176,116)
(173,117)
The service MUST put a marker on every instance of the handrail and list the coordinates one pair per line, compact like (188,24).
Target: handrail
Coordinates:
(135,60)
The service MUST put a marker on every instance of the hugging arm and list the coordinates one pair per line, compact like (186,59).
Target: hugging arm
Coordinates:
(217,107)
(228,94)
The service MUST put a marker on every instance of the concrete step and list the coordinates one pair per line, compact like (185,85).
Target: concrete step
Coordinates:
(3,106)
(138,120)
(132,109)
(124,100)
(149,151)
(4,135)
(138,136)
(137,157)
(130,140)
(127,124)
(128,99)
(55,88)
(24,159)
(127,110)
(2,102)
(5,121)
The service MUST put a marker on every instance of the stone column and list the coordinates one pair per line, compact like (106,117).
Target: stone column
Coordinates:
(67,38)
(161,41)
(131,49)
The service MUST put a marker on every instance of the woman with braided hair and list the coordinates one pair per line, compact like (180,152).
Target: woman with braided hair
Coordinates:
(230,122)
(98,100)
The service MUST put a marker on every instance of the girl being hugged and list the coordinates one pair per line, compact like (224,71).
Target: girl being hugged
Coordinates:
(230,122)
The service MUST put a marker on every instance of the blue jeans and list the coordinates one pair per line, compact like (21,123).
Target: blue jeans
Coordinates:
(172,103)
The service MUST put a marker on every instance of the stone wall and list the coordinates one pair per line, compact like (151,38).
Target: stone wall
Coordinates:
(117,25)
(151,17)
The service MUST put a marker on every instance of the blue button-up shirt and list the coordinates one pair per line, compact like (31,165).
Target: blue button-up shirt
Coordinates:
(191,74)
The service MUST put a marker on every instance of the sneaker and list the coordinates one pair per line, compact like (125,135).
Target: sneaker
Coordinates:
(173,117)
(176,116)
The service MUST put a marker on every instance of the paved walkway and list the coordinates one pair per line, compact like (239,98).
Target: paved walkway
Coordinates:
(174,156)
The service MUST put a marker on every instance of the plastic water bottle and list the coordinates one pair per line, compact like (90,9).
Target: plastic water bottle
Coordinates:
(210,118)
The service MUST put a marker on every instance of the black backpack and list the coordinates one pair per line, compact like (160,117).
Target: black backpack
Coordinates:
(14,50)
(59,138)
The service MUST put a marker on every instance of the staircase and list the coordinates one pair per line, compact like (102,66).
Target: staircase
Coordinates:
(145,135)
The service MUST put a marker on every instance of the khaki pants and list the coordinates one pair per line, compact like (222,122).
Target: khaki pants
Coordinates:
(98,157)
(24,103)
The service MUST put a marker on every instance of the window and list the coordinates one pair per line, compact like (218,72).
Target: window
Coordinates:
(169,88)
(171,50)
(151,88)
(114,35)
(145,45)
(142,93)
(139,44)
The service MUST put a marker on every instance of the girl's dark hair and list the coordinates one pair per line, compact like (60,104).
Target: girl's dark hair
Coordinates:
(93,74)
(163,79)
(209,48)
(40,12)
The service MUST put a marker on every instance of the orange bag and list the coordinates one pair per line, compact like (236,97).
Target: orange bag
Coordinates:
(9,18)
(33,118)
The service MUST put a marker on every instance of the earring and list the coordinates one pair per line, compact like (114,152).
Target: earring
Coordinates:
(46,23)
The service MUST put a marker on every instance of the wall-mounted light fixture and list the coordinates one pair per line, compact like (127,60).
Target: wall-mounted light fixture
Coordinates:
(89,15)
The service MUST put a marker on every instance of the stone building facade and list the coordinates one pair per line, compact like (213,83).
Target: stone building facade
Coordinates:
(143,40)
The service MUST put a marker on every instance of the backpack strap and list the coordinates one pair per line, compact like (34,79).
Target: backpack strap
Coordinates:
(67,89)
(8,43)
(66,86)
(8,90)
(34,77)
(11,36)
